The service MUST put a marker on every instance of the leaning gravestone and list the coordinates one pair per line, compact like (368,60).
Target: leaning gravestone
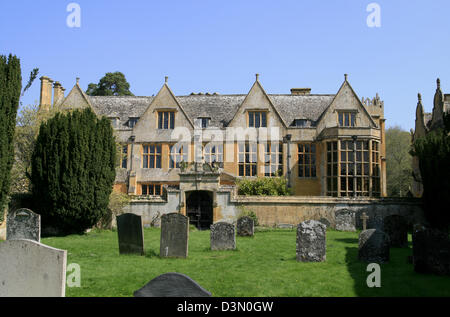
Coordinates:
(431,251)
(373,246)
(174,235)
(31,269)
(23,224)
(245,226)
(345,220)
(172,285)
(396,228)
(311,241)
(223,236)
(130,233)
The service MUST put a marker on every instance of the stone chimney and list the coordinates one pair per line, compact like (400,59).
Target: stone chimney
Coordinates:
(58,93)
(45,100)
(300,91)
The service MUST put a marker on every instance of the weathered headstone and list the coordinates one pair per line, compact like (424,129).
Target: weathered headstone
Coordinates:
(374,246)
(130,233)
(311,241)
(364,219)
(396,228)
(23,224)
(345,220)
(245,226)
(174,235)
(31,269)
(172,285)
(223,236)
(431,251)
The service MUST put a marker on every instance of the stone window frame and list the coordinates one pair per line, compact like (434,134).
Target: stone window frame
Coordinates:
(376,168)
(151,189)
(332,176)
(354,168)
(247,159)
(161,117)
(213,153)
(180,155)
(132,122)
(148,156)
(307,160)
(261,115)
(346,118)
(275,166)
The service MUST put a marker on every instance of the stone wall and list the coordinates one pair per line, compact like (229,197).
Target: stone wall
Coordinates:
(272,211)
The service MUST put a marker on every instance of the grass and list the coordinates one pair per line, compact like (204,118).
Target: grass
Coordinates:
(264,265)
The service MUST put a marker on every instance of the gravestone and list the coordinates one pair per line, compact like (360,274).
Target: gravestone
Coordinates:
(31,269)
(245,227)
(373,246)
(223,236)
(23,224)
(431,251)
(130,233)
(174,235)
(172,285)
(311,241)
(345,220)
(396,228)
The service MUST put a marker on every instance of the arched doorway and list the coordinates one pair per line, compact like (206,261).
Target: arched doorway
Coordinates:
(199,208)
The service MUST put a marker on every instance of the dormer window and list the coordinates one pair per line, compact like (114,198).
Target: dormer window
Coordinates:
(257,119)
(347,119)
(299,123)
(132,122)
(166,120)
(202,122)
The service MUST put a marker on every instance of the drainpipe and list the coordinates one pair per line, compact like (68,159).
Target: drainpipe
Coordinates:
(287,139)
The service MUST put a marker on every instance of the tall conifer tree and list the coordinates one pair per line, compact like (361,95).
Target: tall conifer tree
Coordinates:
(73,170)
(10,88)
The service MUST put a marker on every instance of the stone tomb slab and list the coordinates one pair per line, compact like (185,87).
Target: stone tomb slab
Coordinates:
(311,241)
(23,224)
(31,269)
(172,285)
(374,246)
(223,236)
(174,235)
(245,227)
(130,233)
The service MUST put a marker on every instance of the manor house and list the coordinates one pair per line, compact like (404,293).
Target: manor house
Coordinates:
(186,153)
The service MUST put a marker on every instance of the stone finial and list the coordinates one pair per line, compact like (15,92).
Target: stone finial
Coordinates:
(166,79)
(419,96)
(438,82)
(78,80)
(257,77)
(346,77)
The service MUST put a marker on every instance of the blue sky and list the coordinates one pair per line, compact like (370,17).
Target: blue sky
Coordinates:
(218,46)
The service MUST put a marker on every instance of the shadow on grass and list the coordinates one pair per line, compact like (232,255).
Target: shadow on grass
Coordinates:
(150,253)
(348,240)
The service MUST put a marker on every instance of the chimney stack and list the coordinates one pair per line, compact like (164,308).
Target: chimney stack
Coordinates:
(300,91)
(58,93)
(45,101)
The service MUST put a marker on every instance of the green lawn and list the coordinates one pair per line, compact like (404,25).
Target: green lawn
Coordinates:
(264,265)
